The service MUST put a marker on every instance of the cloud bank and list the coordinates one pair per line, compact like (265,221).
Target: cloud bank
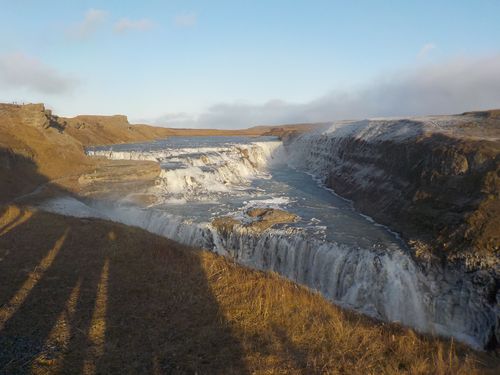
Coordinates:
(453,86)
(19,71)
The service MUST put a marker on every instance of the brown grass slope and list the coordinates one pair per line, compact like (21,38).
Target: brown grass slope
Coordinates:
(89,296)
(37,147)
(31,140)
(97,130)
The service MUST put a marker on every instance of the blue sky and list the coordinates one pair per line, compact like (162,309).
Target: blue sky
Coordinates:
(237,63)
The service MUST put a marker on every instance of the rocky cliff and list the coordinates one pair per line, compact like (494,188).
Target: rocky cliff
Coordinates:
(435,189)
(434,180)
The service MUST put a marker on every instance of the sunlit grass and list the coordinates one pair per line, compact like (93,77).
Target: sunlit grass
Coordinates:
(286,328)
(13,217)
(59,336)
(10,308)
(97,331)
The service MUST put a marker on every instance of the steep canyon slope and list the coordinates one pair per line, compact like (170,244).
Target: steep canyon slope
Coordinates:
(435,180)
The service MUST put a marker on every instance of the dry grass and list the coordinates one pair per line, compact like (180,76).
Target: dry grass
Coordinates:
(115,299)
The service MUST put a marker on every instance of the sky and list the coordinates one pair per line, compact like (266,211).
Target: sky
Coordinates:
(233,64)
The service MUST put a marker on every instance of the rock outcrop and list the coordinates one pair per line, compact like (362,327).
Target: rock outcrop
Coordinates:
(264,218)
(257,220)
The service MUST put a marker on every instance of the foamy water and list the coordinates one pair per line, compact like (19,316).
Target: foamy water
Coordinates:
(346,256)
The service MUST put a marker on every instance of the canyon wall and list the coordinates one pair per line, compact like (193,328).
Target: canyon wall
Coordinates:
(434,180)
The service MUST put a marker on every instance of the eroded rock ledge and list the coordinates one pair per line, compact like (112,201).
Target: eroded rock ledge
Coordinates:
(256,220)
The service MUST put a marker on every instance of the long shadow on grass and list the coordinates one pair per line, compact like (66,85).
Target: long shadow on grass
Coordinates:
(89,296)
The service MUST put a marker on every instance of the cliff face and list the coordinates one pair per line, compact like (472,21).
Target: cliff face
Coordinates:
(100,130)
(37,147)
(34,149)
(436,189)
(434,180)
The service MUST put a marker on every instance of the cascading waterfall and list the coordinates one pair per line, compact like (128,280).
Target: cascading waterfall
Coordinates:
(195,173)
(376,277)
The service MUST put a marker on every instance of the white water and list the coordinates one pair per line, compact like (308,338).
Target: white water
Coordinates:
(200,173)
(332,248)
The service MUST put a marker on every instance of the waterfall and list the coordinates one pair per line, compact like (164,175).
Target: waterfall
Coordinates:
(199,173)
(382,282)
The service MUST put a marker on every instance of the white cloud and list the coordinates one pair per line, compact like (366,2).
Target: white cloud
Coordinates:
(426,50)
(125,24)
(18,70)
(92,20)
(453,86)
(186,20)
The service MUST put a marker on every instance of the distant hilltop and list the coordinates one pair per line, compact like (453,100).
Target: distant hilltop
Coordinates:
(113,129)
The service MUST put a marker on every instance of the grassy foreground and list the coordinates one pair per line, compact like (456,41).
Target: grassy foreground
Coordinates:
(89,296)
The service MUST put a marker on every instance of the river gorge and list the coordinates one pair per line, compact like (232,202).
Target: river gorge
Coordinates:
(326,242)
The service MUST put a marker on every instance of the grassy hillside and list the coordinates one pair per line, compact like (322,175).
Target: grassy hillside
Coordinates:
(34,149)
(89,296)
(38,148)
(96,130)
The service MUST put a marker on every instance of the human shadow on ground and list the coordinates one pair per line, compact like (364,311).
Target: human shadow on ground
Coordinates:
(90,296)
